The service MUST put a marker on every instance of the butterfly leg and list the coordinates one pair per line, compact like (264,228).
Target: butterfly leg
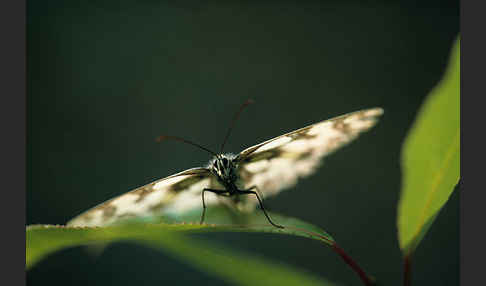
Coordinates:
(218,192)
(249,191)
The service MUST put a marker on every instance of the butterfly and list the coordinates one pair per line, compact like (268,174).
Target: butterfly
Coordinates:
(238,180)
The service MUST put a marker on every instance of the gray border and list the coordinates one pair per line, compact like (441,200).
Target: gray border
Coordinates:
(472,198)
(13,126)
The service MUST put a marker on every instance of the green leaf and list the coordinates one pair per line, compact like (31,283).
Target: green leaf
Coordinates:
(235,268)
(221,218)
(42,240)
(430,158)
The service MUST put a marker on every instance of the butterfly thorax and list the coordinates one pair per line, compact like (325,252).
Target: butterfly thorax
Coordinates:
(224,168)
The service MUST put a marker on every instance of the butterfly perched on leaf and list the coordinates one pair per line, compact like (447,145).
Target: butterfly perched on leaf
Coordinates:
(237,180)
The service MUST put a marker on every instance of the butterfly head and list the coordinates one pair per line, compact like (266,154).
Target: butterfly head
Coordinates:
(224,167)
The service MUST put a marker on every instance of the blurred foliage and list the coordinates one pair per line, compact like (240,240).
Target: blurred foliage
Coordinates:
(430,158)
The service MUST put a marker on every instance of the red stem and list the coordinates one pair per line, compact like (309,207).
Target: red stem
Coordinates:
(407,273)
(367,280)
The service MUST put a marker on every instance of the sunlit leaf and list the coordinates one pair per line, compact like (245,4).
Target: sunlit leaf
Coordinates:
(430,158)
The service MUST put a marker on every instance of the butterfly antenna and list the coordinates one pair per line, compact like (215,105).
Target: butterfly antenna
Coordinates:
(166,137)
(237,115)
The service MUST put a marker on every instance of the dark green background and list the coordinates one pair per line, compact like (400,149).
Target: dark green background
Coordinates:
(106,77)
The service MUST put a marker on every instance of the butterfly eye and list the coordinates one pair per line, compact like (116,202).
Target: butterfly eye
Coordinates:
(225,162)
(218,166)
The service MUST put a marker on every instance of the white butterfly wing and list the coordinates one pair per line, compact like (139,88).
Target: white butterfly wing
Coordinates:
(272,166)
(276,164)
(174,194)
